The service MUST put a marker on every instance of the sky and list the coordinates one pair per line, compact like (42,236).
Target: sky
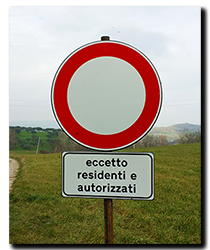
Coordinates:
(40,38)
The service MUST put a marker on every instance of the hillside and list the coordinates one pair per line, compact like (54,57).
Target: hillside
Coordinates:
(173,131)
(40,215)
(46,140)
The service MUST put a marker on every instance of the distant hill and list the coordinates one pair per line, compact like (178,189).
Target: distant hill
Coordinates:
(42,124)
(185,126)
(172,131)
(51,140)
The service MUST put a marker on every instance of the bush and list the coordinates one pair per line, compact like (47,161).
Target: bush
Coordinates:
(27,146)
(44,151)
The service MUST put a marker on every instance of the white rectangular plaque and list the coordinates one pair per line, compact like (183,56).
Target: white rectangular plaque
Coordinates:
(108,175)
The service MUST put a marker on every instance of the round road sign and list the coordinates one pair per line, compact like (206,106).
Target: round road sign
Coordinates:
(106,95)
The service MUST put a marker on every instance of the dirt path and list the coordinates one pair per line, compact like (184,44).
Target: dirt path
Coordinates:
(13,169)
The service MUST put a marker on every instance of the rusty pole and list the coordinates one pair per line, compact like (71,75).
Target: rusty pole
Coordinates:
(108,204)
(108,221)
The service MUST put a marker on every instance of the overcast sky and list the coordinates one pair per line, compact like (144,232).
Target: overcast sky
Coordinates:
(42,37)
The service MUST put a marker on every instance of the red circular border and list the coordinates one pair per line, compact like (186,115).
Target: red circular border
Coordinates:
(125,137)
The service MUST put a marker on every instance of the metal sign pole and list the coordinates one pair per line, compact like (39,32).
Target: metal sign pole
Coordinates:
(108,205)
(108,221)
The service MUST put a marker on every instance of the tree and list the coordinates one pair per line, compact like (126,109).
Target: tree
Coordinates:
(152,141)
(149,141)
(189,137)
(163,140)
(17,130)
(12,138)
(38,129)
(60,143)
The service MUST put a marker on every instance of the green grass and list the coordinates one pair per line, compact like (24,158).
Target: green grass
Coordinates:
(40,215)
(21,151)
(27,134)
(23,135)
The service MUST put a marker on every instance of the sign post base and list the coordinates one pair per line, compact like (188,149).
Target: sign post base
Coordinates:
(108,221)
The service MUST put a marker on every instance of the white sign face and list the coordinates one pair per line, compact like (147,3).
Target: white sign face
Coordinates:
(108,175)
(106,96)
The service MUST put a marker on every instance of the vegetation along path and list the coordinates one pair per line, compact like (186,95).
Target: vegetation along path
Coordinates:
(13,169)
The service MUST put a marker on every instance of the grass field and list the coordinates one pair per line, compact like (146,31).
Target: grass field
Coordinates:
(27,134)
(40,215)
(24,135)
